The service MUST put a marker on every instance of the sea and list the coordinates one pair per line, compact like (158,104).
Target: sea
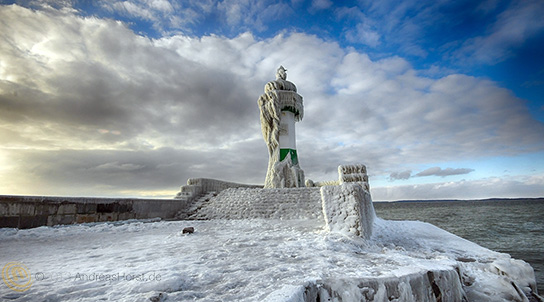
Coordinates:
(513,226)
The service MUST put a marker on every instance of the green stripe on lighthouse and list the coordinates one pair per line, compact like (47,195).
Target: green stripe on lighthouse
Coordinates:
(293,152)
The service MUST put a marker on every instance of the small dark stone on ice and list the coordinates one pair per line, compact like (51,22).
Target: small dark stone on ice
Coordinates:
(188,230)
(159,298)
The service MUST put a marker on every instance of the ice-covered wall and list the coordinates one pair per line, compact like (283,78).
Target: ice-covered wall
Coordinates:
(348,209)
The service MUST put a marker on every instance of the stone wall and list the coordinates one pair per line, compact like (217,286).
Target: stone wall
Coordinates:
(33,211)
(246,203)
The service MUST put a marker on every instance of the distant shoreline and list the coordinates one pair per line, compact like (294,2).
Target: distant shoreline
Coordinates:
(462,200)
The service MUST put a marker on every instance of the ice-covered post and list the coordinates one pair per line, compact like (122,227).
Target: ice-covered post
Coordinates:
(281,106)
(347,207)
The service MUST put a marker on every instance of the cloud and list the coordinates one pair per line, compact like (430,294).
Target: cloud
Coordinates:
(458,31)
(433,171)
(363,34)
(514,26)
(228,16)
(463,32)
(252,14)
(391,24)
(124,84)
(364,31)
(50,5)
(437,171)
(163,15)
(146,172)
(87,104)
(320,5)
(400,175)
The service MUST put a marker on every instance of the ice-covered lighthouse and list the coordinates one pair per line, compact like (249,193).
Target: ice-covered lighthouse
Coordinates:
(281,106)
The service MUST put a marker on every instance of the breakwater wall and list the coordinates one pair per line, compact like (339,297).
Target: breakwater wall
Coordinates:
(25,212)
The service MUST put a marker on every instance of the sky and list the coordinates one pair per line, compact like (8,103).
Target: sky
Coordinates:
(439,99)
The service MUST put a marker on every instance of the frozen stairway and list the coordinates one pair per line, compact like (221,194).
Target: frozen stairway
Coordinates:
(191,213)
(251,203)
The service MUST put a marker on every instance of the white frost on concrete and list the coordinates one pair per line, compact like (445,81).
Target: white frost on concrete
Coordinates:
(249,260)
(348,209)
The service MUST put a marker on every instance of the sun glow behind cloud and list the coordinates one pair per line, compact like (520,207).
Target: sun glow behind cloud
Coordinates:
(91,107)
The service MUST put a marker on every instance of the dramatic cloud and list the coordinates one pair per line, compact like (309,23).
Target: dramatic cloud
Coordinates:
(91,107)
(464,31)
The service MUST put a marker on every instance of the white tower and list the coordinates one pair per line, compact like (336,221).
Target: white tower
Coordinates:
(281,106)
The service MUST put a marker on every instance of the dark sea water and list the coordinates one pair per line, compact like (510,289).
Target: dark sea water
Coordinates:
(513,226)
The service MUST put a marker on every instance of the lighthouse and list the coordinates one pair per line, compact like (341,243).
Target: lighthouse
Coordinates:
(281,107)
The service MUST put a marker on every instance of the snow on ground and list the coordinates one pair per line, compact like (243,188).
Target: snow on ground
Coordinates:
(235,260)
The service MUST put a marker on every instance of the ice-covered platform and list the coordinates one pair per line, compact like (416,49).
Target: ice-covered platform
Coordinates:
(258,260)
